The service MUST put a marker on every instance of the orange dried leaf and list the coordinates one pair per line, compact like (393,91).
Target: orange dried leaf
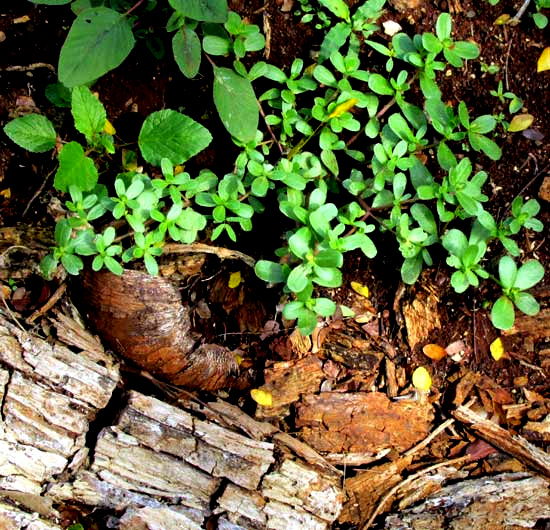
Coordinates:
(434,351)
(360,289)
(520,122)
(544,60)
(262,397)
(421,379)
(497,349)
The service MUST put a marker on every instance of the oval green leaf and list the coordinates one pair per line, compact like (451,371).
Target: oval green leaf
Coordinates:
(98,41)
(205,10)
(236,104)
(187,51)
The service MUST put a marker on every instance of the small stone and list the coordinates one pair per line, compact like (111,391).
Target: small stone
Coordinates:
(2,36)
(544,191)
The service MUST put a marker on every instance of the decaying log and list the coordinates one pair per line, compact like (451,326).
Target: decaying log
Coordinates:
(49,394)
(515,445)
(156,451)
(507,501)
(157,465)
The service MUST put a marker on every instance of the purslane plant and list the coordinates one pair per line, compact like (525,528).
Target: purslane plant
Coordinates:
(333,193)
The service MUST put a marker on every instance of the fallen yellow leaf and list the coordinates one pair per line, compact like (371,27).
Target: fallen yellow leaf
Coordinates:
(497,349)
(421,379)
(262,397)
(503,19)
(108,128)
(544,60)
(234,280)
(361,289)
(520,122)
(343,107)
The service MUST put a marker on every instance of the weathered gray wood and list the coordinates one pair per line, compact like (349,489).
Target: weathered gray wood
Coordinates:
(49,396)
(506,501)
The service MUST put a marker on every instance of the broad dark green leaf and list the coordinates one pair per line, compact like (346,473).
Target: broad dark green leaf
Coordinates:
(236,104)
(75,169)
(187,51)
(34,132)
(98,41)
(204,10)
(170,134)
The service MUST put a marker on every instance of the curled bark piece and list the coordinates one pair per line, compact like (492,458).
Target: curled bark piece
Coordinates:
(143,318)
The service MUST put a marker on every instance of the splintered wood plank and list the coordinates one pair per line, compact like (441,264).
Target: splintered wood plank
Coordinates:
(165,518)
(514,445)
(287,381)
(301,485)
(11,518)
(361,422)
(120,460)
(509,500)
(366,488)
(88,378)
(218,451)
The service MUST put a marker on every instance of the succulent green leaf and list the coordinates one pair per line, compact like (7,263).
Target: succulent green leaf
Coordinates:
(298,279)
(236,104)
(529,274)
(526,303)
(444,26)
(98,41)
(34,132)
(507,271)
(269,271)
(502,313)
(170,134)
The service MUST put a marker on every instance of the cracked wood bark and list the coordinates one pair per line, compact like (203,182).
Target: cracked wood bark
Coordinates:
(506,501)
(157,465)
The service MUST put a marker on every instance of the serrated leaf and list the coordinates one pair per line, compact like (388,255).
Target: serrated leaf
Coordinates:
(88,112)
(543,63)
(75,169)
(34,132)
(520,122)
(170,134)
(187,51)
(204,10)
(98,41)
(236,104)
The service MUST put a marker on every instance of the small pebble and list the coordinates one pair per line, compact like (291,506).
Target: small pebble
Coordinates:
(2,36)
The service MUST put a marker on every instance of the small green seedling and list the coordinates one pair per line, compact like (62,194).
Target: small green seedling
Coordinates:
(514,283)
